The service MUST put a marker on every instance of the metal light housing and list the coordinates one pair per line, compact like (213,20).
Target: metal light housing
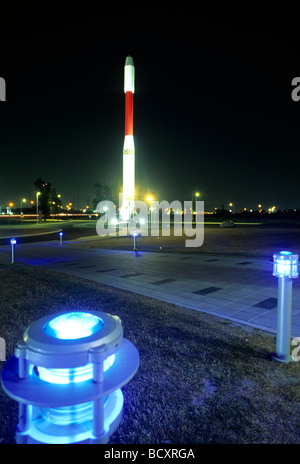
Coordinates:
(67,375)
(285,267)
(285,264)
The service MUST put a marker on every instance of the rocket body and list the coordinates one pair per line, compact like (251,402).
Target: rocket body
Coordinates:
(127,208)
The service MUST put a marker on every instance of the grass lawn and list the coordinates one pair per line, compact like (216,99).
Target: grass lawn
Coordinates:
(201,379)
(22,231)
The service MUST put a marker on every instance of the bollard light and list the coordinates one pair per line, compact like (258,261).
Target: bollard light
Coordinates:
(60,237)
(67,375)
(135,234)
(13,242)
(285,267)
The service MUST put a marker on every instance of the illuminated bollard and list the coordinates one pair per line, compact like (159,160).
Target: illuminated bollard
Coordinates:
(13,242)
(67,375)
(135,235)
(60,237)
(285,267)
(134,240)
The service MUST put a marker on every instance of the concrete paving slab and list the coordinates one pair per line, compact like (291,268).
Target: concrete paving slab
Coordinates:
(237,285)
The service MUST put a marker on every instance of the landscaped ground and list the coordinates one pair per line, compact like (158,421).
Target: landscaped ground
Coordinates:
(252,241)
(22,231)
(201,379)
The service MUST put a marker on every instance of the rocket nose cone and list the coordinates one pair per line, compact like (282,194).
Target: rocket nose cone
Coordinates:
(129,61)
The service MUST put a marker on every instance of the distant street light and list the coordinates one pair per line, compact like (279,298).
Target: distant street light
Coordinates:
(149,199)
(194,205)
(197,194)
(21,214)
(37,206)
(8,209)
(23,201)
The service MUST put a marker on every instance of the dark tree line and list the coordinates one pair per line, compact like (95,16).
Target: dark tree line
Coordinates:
(104,193)
(48,201)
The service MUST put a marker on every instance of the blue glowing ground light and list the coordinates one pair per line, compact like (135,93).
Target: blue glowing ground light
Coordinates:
(74,325)
(67,375)
(72,375)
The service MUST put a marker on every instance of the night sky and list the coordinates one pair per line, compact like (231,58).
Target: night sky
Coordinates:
(213,111)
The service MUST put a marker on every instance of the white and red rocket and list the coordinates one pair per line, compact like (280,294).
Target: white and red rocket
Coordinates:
(127,208)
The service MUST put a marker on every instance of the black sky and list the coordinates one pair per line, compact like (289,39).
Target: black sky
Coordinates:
(212,109)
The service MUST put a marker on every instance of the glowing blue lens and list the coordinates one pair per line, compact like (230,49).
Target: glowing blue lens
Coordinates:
(285,264)
(71,326)
(73,375)
(66,415)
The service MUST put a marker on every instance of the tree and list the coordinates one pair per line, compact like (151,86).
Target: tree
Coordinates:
(104,193)
(55,201)
(48,200)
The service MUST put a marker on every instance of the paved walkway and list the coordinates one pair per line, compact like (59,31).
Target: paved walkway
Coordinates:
(239,289)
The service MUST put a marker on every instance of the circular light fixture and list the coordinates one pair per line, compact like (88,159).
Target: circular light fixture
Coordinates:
(67,375)
(285,264)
